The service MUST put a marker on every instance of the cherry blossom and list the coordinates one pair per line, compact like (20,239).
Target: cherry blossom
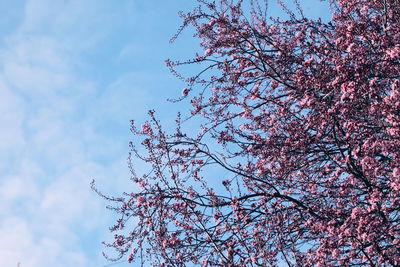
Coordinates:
(301,118)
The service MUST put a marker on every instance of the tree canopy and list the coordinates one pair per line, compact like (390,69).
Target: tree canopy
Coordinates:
(302,117)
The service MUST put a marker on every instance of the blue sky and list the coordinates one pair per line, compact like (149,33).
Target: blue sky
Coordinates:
(73,74)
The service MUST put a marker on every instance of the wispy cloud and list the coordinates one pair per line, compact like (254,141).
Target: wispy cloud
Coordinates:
(48,134)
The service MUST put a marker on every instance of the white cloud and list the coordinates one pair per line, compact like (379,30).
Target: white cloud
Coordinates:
(19,185)
(11,120)
(49,140)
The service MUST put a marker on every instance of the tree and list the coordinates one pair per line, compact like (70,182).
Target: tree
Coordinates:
(302,117)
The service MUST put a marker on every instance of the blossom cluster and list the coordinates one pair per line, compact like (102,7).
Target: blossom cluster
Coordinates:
(302,118)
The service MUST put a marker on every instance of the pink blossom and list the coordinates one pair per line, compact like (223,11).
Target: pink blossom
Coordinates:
(396,172)
(208,52)
(146,128)
(130,258)
(140,200)
(394,52)
(185,91)
(355,212)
